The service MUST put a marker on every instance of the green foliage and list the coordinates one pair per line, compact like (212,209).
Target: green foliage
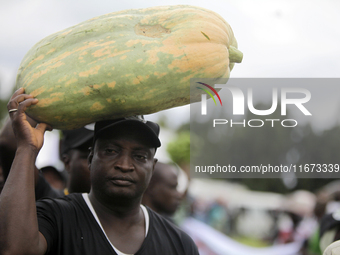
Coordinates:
(179,149)
(3,110)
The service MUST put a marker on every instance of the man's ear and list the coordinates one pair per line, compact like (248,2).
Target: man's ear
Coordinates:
(154,163)
(66,160)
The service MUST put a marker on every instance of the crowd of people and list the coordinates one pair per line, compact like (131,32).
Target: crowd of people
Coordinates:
(312,220)
(114,197)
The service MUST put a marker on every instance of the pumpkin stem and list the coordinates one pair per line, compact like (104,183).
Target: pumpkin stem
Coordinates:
(235,56)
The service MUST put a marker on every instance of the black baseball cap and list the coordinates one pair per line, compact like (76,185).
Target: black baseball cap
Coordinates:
(72,139)
(148,128)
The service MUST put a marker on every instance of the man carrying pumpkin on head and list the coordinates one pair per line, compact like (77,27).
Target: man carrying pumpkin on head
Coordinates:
(108,220)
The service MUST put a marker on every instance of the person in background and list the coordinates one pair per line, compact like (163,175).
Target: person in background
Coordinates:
(74,150)
(8,145)
(162,195)
(8,148)
(55,178)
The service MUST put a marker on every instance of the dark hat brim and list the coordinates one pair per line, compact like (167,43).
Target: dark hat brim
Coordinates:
(148,128)
(75,138)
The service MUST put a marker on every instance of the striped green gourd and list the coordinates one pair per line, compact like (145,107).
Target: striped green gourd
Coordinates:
(137,61)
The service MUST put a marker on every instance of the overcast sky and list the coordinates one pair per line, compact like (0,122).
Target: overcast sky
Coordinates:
(279,38)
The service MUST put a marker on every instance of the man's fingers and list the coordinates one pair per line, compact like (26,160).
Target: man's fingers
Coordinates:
(18,92)
(22,97)
(15,102)
(42,127)
(26,103)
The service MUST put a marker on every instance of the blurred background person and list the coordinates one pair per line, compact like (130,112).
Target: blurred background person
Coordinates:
(329,216)
(218,216)
(162,195)
(8,146)
(8,149)
(299,222)
(74,149)
(54,177)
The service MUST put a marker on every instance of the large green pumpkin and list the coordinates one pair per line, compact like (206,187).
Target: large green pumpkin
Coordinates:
(125,63)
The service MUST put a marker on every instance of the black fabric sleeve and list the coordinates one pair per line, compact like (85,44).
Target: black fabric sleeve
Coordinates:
(48,214)
(189,245)
(168,238)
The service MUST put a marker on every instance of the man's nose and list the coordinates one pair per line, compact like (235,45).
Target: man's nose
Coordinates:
(124,163)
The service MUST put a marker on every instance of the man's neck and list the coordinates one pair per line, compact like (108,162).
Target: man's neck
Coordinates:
(118,209)
(124,224)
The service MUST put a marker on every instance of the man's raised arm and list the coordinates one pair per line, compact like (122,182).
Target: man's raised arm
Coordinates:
(19,233)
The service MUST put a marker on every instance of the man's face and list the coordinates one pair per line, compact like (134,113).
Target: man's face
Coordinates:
(78,169)
(121,164)
(165,195)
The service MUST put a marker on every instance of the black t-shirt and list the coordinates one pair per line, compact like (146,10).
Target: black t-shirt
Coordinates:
(69,227)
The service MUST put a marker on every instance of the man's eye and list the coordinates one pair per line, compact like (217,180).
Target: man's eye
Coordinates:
(109,150)
(141,157)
